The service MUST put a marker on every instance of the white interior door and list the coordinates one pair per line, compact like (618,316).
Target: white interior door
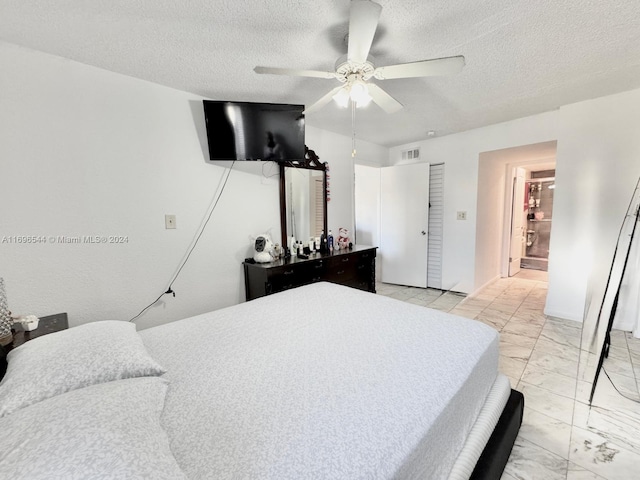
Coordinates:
(404,217)
(517,222)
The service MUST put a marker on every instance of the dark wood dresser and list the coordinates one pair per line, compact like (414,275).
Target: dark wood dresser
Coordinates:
(354,268)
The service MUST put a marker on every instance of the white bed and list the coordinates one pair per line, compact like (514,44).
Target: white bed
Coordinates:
(323,381)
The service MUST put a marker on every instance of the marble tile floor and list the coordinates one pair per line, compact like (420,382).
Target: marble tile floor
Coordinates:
(561,437)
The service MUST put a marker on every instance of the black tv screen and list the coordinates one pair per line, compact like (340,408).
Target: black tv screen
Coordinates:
(254,131)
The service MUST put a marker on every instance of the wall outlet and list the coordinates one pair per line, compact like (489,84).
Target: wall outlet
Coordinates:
(169,221)
(462,215)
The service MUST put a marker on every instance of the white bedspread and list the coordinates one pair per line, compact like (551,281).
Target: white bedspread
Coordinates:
(323,382)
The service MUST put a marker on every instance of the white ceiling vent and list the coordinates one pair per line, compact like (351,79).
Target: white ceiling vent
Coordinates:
(411,154)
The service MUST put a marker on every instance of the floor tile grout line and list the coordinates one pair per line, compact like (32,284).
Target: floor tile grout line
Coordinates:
(633,369)
(573,413)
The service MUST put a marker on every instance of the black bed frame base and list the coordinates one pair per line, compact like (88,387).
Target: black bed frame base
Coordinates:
(496,453)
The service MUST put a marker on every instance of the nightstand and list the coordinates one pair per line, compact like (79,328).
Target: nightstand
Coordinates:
(48,324)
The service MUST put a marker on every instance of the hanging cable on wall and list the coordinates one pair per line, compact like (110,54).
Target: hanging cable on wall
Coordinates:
(169,290)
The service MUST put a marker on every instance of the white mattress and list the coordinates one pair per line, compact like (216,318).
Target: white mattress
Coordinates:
(323,382)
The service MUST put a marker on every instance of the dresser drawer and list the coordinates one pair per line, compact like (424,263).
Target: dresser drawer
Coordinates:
(341,274)
(342,261)
(286,277)
(318,270)
(366,256)
(359,283)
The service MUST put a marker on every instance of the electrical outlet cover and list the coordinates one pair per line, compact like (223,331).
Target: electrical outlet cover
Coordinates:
(169,221)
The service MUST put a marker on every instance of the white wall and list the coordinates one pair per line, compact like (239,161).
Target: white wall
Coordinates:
(460,154)
(598,165)
(84,151)
(89,152)
(367,206)
(490,219)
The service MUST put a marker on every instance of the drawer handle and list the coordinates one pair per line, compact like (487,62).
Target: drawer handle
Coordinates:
(288,272)
(360,267)
(316,279)
(345,259)
(340,272)
(318,266)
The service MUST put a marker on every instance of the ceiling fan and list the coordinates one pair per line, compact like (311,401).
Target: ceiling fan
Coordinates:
(355,69)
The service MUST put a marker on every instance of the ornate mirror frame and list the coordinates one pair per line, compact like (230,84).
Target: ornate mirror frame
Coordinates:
(311,162)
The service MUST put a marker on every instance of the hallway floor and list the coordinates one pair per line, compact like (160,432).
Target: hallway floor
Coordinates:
(560,437)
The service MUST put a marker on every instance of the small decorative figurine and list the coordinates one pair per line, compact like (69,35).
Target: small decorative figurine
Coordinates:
(263,249)
(343,238)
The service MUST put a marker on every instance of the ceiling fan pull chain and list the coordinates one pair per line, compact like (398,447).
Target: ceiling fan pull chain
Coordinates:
(353,128)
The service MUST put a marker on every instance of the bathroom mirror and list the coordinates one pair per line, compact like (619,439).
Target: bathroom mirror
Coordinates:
(303,198)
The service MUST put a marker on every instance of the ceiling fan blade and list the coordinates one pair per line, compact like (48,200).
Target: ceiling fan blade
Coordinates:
(294,72)
(425,68)
(383,99)
(363,21)
(323,101)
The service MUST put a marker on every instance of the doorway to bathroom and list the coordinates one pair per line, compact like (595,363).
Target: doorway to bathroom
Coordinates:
(499,203)
(538,205)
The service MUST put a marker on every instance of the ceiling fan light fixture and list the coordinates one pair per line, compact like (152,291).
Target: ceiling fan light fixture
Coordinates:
(342,97)
(359,94)
(358,90)
(364,101)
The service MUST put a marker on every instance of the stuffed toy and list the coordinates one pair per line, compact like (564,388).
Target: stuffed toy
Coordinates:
(343,237)
(263,249)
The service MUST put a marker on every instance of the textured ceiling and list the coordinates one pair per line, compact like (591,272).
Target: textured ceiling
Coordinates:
(522,56)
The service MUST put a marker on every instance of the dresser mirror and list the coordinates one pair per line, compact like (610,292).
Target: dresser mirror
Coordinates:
(303,198)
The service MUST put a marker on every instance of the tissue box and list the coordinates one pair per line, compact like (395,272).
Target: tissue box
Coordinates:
(29,322)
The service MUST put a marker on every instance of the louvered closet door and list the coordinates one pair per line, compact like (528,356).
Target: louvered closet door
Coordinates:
(436,219)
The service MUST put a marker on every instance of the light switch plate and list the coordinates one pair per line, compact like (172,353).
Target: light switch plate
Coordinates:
(169,221)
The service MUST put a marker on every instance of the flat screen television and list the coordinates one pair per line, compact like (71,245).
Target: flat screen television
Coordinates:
(254,131)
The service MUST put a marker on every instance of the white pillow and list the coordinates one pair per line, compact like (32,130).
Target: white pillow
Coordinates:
(92,353)
(110,430)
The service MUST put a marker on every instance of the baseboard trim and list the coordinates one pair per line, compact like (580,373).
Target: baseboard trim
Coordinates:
(563,315)
(477,290)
